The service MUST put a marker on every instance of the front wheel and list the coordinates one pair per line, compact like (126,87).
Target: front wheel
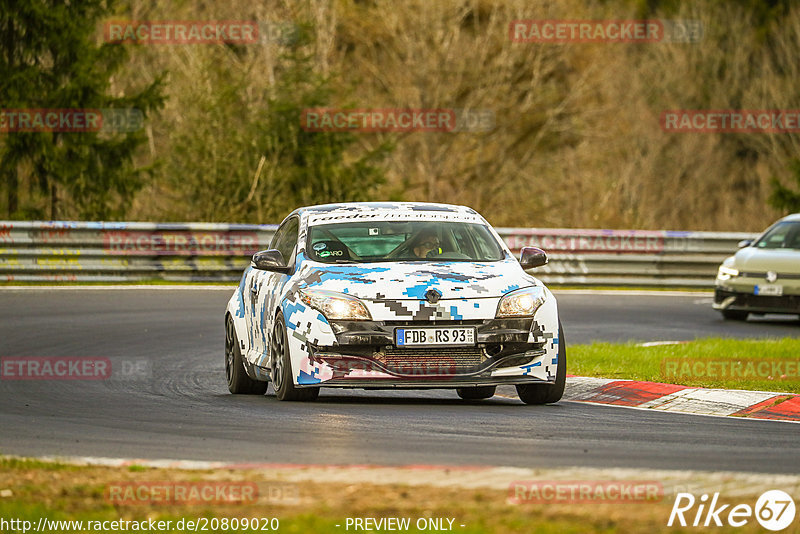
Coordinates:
(238,381)
(281,366)
(548,393)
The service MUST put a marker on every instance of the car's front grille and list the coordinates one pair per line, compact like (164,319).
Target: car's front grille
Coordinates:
(785,302)
(444,322)
(432,361)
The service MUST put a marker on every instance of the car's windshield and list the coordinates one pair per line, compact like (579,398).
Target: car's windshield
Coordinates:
(378,241)
(782,235)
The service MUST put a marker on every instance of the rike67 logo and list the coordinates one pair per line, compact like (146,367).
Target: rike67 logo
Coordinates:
(774,510)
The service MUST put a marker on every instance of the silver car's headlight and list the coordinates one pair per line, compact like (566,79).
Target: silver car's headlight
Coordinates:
(335,306)
(521,303)
(726,273)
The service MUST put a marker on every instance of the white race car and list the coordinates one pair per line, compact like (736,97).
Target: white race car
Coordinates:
(393,295)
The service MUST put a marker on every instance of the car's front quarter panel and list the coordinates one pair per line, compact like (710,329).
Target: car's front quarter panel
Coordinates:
(305,328)
(544,330)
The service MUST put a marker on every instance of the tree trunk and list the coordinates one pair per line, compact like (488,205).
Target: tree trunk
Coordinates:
(53,202)
(12,183)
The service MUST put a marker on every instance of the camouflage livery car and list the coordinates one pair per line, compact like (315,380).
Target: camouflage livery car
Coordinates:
(393,295)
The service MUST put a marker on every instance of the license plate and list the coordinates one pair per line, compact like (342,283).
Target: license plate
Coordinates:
(771,290)
(435,336)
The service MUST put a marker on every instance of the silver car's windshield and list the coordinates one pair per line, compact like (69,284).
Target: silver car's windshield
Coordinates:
(783,235)
(379,241)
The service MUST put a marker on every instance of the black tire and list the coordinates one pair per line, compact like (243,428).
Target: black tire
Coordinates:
(548,393)
(238,381)
(735,315)
(281,366)
(476,393)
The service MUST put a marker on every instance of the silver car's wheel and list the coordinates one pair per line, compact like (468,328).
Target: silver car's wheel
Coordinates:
(277,349)
(281,366)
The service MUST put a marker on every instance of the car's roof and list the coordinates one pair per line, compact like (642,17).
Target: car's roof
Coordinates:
(376,211)
(385,206)
(792,217)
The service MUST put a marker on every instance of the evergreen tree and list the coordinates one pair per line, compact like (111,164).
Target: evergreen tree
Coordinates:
(50,58)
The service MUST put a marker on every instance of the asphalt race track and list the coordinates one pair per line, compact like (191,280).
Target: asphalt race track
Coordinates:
(177,405)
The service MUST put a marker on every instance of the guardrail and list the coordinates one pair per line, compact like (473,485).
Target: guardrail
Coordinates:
(660,258)
(116,252)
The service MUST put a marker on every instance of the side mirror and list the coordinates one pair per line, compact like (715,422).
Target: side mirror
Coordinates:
(269,260)
(531,257)
(745,243)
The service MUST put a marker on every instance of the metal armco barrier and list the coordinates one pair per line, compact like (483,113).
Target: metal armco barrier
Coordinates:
(659,258)
(117,252)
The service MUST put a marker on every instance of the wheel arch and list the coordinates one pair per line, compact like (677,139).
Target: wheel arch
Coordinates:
(236,311)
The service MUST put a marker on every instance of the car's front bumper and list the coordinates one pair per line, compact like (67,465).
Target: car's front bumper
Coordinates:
(365,348)
(431,383)
(733,300)
(364,353)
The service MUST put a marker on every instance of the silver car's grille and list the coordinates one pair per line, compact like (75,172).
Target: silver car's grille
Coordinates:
(785,302)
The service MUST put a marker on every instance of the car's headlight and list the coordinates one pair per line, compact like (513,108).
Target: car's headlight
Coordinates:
(726,273)
(521,303)
(335,306)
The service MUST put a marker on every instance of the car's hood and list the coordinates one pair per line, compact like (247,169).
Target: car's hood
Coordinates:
(410,280)
(751,259)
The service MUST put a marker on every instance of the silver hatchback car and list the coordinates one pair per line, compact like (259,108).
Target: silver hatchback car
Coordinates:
(764,275)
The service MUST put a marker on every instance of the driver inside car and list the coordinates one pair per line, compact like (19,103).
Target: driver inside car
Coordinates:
(426,244)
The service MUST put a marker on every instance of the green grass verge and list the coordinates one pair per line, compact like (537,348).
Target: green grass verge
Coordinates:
(13,463)
(79,494)
(754,364)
